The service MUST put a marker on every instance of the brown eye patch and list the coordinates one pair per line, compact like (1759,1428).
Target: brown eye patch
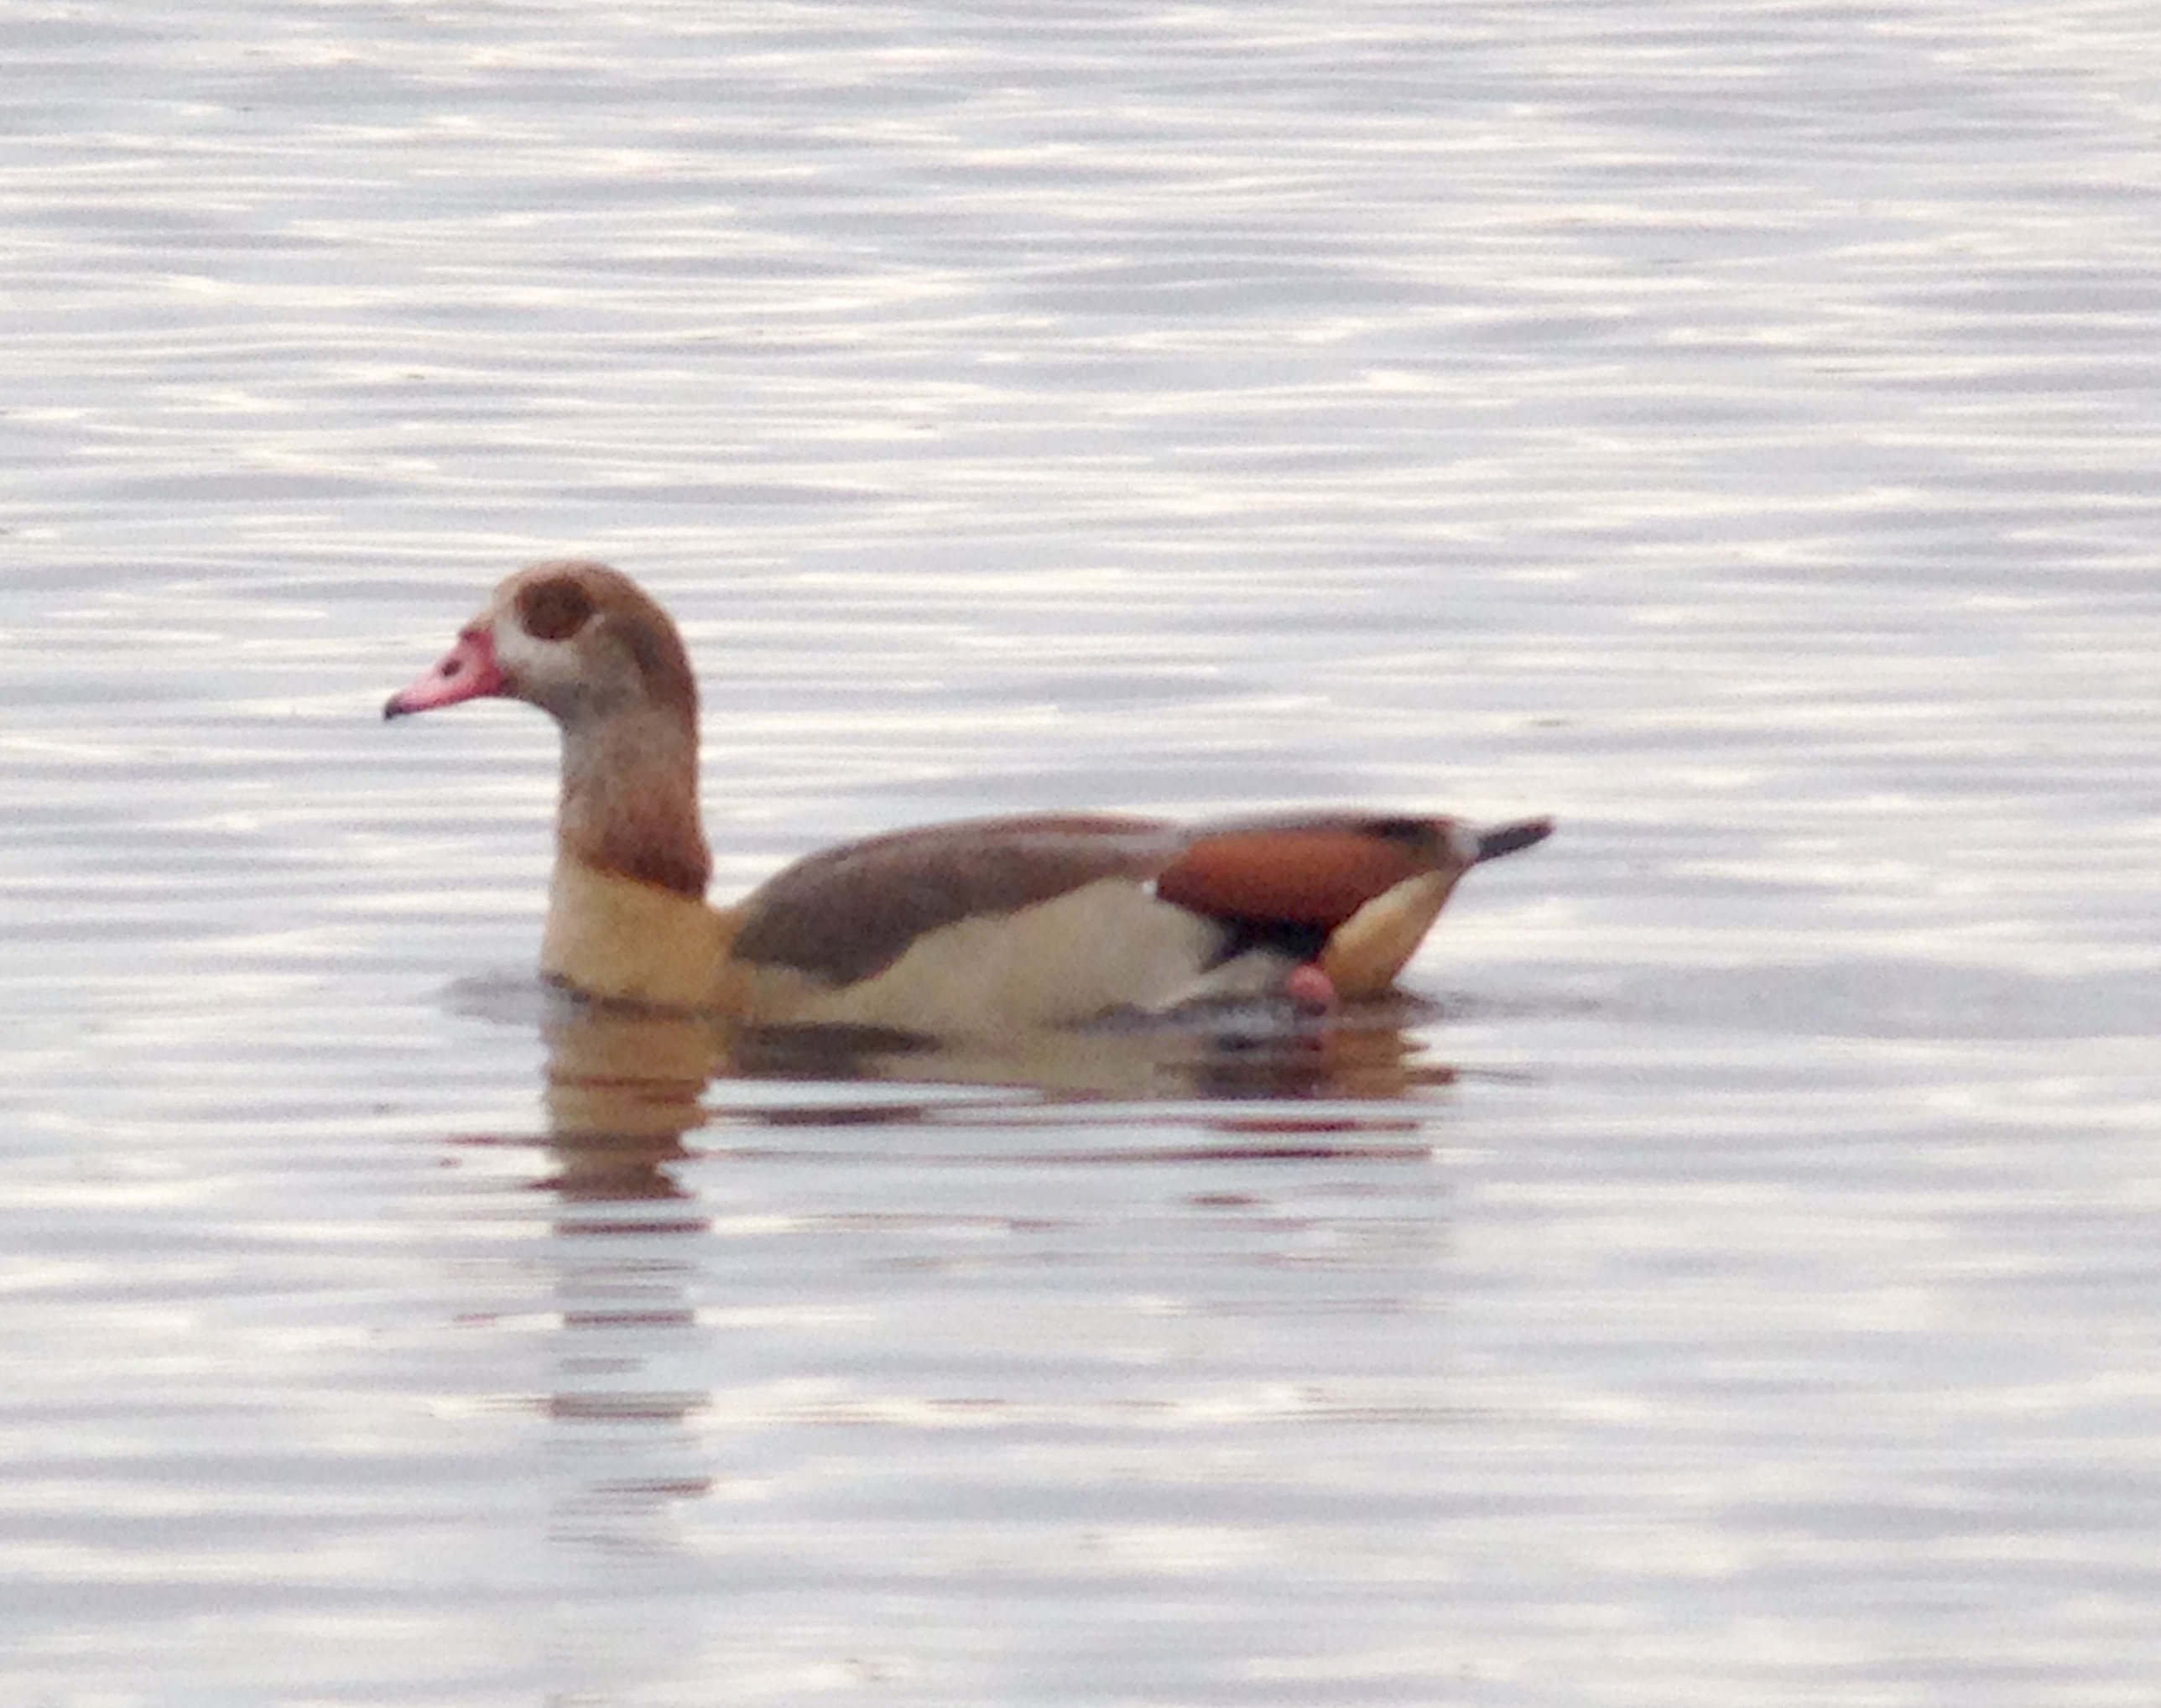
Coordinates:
(554,610)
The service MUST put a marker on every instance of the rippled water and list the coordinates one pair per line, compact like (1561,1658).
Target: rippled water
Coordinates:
(1730,429)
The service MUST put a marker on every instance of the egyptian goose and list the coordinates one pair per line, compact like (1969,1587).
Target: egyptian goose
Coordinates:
(982,928)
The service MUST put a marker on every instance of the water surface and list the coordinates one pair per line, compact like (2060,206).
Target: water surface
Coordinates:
(1730,430)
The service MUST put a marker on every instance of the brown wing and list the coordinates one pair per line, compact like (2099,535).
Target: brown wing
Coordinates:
(1290,881)
(850,912)
(1313,871)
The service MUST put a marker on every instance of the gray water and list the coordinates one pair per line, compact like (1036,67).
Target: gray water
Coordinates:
(1732,429)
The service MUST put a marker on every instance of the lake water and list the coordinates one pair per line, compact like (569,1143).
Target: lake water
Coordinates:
(1732,429)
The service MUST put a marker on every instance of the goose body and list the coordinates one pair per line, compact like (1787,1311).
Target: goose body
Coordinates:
(979,928)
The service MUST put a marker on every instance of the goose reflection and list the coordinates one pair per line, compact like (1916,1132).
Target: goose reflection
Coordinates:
(626,1085)
(637,1100)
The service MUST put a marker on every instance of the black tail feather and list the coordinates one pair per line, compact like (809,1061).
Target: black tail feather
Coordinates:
(1509,839)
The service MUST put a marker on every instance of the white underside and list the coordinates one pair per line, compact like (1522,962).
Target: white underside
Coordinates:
(1107,946)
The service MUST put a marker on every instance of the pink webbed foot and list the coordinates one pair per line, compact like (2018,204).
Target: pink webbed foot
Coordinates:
(1310,988)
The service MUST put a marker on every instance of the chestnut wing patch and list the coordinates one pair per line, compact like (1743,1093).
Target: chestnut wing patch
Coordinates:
(850,912)
(1300,876)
